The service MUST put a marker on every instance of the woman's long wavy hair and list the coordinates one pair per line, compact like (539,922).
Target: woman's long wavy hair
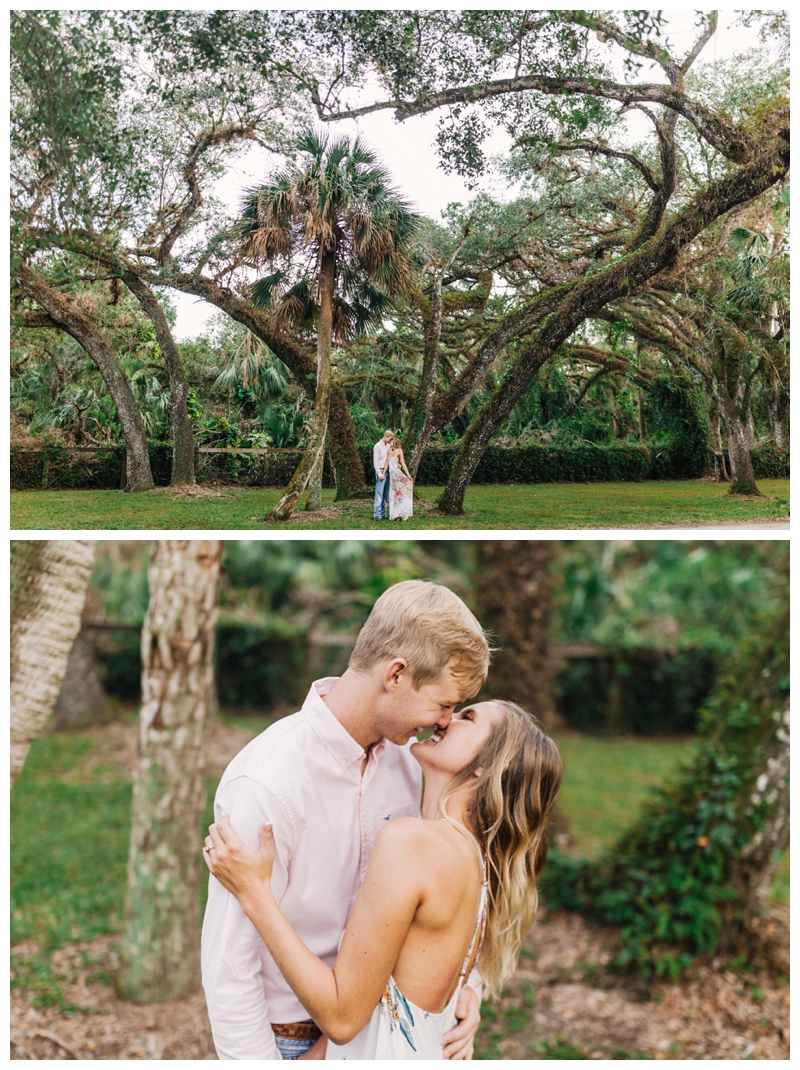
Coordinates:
(515,780)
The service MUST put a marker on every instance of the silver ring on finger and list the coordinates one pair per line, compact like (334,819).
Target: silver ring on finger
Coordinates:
(207,849)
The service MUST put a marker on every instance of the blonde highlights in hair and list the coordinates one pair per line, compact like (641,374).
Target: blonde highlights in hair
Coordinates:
(514,780)
(431,628)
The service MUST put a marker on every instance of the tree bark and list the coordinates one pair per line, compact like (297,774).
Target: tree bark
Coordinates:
(74,322)
(514,602)
(161,940)
(778,411)
(316,447)
(765,690)
(81,698)
(743,480)
(48,588)
(314,499)
(341,440)
(179,422)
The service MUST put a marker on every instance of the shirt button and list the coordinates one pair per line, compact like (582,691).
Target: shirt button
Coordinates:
(347,765)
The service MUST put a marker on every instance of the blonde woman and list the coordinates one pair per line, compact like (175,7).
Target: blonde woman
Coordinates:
(401,489)
(439,890)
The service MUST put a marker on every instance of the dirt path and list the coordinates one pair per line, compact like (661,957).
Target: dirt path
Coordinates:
(762,525)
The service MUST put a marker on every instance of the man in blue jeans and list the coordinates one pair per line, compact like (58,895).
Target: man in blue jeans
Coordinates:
(379,453)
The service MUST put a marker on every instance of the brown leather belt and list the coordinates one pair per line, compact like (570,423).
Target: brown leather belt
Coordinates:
(296,1030)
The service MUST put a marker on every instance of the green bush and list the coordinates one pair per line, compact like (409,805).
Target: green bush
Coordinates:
(769,462)
(664,881)
(675,411)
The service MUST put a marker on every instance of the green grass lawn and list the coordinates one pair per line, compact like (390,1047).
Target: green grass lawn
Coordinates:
(528,506)
(605,781)
(70,832)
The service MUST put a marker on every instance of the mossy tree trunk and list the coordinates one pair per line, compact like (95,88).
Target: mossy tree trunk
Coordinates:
(161,940)
(48,588)
(179,422)
(514,601)
(743,480)
(765,792)
(69,318)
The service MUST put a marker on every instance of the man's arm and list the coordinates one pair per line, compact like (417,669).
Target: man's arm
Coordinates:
(232,950)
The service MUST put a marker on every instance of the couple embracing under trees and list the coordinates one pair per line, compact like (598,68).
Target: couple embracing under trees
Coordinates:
(393,482)
(352,914)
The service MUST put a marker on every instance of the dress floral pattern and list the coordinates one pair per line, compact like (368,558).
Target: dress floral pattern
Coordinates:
(396,1008)
(401,493)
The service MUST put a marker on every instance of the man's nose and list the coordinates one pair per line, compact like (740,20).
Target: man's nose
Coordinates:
(445,717)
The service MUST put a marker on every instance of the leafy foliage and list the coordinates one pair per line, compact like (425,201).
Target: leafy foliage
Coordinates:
(664,882)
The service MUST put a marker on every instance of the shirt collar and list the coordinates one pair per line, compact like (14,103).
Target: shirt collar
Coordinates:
(329,730)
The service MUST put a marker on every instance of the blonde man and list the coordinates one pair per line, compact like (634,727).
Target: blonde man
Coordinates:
(327,778)
(380,452)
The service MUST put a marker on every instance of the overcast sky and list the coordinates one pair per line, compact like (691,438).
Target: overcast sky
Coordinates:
(407,149)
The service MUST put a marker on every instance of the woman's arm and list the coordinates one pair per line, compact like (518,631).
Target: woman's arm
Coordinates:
(340,1000)
(403,463)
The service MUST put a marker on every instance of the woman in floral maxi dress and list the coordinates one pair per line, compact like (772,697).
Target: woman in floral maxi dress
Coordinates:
(401,489)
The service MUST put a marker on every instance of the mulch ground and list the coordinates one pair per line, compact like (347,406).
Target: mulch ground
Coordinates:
(711,1013)
(563,994)
(562,1001)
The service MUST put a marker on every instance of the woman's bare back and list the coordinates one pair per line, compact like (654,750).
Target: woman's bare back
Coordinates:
(443,927)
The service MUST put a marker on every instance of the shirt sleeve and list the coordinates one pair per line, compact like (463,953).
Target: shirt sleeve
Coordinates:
(376,458)
(232,951)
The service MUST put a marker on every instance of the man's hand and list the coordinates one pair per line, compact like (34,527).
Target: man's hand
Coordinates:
(380,477)
(459,1042)
(317,1049)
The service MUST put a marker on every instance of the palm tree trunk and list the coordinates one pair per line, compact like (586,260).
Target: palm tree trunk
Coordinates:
(70,319)
(179,422)
(342,448)
(161,941)
(314,500)
(48,588)
(316,446)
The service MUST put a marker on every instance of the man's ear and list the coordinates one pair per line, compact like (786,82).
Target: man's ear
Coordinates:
(394,671)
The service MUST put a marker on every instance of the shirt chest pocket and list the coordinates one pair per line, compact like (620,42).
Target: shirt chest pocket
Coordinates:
(404,810)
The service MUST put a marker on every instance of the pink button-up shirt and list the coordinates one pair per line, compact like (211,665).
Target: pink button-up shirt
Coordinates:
(304,775)
(380,451)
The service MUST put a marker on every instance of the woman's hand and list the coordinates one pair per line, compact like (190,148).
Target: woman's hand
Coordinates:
(243,872)
(317,1049)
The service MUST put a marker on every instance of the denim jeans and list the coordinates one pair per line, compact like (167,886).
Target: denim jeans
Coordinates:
(290,1049)
(381,497)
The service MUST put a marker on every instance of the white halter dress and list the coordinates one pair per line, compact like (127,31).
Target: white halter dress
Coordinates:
(401,492)
(398,1028)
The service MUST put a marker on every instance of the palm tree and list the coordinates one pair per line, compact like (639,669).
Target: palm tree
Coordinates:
(336,231)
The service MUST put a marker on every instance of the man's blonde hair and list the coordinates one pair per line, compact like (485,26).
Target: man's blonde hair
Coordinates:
(431,628)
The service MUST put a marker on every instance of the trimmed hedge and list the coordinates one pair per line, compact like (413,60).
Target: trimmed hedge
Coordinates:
(258,666)
(56,467)
(646,692)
